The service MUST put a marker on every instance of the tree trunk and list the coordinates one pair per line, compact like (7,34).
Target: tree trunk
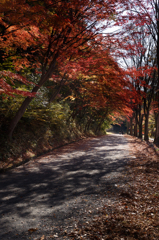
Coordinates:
(157,95)
(156,140)
(88,125)
(140,122)
(135,130)
(136,123)
(27,101)
(146,137)
(140,128)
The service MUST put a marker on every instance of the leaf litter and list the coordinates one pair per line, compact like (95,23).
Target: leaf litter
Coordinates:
(135,212)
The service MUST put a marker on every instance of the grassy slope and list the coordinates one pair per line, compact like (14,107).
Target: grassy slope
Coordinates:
(34,138)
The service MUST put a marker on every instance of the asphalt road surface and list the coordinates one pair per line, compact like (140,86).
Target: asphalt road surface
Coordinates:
(48,195)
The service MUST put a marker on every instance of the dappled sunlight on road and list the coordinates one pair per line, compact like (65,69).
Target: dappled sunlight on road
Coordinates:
(42,186)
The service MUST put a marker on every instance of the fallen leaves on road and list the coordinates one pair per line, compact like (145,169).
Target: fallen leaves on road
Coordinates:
(135,213)
(31,230)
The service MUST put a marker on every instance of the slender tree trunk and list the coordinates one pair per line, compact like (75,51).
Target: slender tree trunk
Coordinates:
(140,127)
(156,140)
(135,130)
(135,126)
(146,137)
(27,101)
(88,125)
(57,91)
(140,122)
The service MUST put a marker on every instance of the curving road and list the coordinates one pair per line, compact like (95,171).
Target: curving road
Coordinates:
(47,195)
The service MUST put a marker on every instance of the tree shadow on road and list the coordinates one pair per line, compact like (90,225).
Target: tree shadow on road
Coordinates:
(42,187)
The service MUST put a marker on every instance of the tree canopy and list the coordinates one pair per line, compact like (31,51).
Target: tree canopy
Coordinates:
(62,43)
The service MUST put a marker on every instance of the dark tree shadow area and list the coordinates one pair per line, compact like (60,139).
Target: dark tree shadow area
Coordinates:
(33,192)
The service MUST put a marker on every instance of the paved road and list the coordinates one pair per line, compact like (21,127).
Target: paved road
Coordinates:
(50,192)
